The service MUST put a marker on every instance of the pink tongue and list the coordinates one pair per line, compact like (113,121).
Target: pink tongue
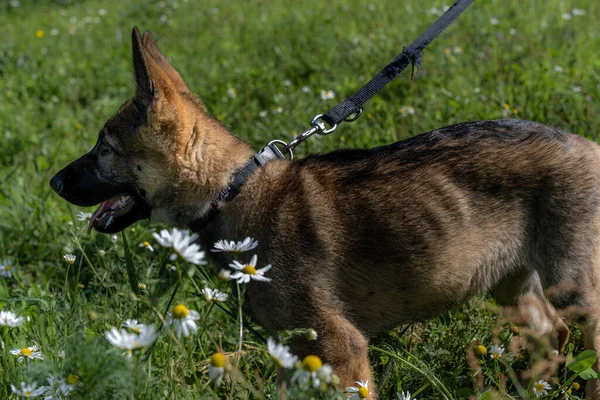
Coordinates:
(103,207)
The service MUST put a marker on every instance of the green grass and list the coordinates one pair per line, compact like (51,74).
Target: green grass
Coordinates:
(57,91)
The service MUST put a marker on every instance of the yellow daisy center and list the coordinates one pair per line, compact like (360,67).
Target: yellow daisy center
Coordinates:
(311,363)
(496,355)
(363,392)
(73,379)
(539,387)
(218,360)
(7,267)
(180,311)
(39,34)
(146,244)
(480,350)
(26,352)
(249,269)
(27,394)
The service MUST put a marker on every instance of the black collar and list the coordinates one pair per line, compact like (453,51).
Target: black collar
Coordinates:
(268,153)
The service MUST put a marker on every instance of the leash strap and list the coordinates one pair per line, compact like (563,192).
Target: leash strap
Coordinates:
(411,54)
(348,110)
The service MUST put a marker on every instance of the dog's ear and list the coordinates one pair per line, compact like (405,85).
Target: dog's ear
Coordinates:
(144,92)
(152,49)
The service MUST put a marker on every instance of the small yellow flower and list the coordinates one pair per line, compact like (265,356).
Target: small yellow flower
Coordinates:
(447,51)
(218,360)
(80,285)
(576,386)
(515,111)
(142,286)
(506,106)
(73,379)
(311,363)
(39,34)
(78,126)
(480,350)
(180,311)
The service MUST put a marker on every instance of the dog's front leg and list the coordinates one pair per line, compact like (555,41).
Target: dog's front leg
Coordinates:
(342,345)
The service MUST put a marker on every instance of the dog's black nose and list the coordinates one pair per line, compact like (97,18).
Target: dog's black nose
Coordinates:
(57,183)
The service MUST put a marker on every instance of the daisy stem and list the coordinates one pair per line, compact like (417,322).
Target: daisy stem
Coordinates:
(241,322)
(84,255)
(202,323)
(7,360)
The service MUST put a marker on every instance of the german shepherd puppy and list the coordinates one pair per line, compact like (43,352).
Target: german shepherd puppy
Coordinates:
(362,240)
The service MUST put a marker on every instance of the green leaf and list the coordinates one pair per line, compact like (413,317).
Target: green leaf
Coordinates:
(583,362)
(588,374)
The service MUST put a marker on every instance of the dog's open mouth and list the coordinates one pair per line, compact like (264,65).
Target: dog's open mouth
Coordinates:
(118,213)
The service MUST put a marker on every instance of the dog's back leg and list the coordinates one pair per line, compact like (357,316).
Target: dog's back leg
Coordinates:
(523,290)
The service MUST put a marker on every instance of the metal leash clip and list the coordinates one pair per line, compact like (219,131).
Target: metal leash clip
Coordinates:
(317,126)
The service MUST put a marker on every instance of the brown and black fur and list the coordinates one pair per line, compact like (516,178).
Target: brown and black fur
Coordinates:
(363,240)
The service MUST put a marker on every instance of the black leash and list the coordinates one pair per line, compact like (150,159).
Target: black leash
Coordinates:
(410,55)
(348,110)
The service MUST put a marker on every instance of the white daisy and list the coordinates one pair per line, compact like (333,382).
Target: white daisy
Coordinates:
(183,243)
(132,341)
(27,353)
(59,388)
(213,295)
(405,396)
(246,272)
(233,247)
(146,245)
(541,387)
(494,21)
(327,94)
(6,268)
(114,238)
(183,320)
(83,216)
(69,258)
(313,369)
(496,351)
(9,318)
(323,375)
(216,369)
(281,354)
(567,16)
(360,391)
(133,325)
(577,11)
(29,390)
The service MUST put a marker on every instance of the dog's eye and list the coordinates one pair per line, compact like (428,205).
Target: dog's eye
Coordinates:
(105,149)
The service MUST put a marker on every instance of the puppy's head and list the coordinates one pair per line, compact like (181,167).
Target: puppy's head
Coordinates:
(134,171)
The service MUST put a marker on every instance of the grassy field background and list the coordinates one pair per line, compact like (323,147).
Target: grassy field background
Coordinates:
(260,67)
